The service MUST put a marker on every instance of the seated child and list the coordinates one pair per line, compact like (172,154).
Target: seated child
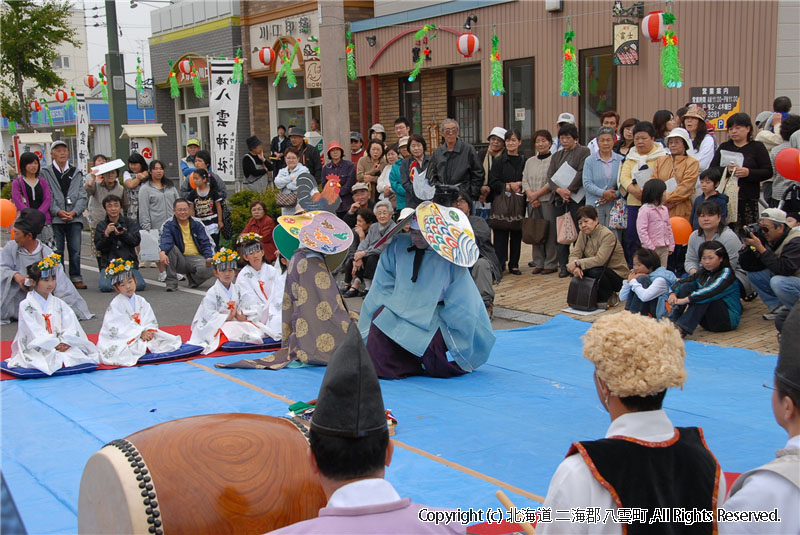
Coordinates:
(709,180)
(275,324)
(255,283)
(49,336)
(648,285)
(709,297)
(129,327)
(220,317)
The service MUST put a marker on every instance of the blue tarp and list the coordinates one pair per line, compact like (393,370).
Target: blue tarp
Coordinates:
(513,419)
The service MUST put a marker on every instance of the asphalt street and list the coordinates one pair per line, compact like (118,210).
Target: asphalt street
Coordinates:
(173,308)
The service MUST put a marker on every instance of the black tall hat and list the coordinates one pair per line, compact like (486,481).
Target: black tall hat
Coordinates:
(788,369)
(30,220)
(350,403)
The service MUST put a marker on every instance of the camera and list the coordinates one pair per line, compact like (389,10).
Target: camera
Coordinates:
(446,194)
(753,228)
(119,226)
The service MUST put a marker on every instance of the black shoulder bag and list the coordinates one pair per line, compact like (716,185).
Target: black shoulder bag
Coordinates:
(582,292)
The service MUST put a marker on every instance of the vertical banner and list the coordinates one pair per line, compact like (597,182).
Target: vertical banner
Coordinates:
(4,174)
(82,133)
(224,111)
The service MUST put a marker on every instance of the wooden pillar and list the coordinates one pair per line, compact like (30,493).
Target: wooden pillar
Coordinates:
(363,123)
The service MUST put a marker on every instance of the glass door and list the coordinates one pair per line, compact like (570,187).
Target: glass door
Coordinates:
(598,79)
(519,100)
(465,103)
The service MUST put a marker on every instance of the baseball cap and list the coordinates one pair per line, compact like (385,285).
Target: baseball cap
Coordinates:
(356,136)
(58,143)
(193,142)
(566,118)
(773,214)
(497,131)
(403,141)
(359,187)
(378,127)
(296,131)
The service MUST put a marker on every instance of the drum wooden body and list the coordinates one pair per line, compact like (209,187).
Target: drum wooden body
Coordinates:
(217,473)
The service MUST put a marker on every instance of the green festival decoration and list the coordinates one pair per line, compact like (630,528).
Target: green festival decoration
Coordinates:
(286,66)
(496,88)
(44,103)
(198,87)
(317,49)
(73,100)
(174,90)
(103,87)
(139,81)
(419,36)
(669,63)
(236,77)
(351,57)
(12,128)
(569,69)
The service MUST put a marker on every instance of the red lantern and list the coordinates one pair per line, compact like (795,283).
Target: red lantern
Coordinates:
(468,44)
(267,56)
(653,26)
(103,70)
(35,106)
(185,66)
(61,96)
(90,81)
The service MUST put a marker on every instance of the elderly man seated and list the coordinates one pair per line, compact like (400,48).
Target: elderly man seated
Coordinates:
(186,248)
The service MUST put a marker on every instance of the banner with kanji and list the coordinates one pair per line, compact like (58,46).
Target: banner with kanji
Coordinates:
(82,133)
(223,113)
(4,176)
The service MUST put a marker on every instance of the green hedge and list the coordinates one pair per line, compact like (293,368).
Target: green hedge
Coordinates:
(239,205)
(5,193)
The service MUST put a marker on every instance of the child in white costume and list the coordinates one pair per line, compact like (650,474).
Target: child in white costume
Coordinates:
(257,285)
(49,335)
(129,327)
(222,311)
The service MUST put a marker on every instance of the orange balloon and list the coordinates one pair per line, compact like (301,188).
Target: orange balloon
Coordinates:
(12,233)
(191,181)
(681,229)
(8,213)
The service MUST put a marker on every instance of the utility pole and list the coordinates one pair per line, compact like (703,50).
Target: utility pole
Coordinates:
(335,106)
(115,70)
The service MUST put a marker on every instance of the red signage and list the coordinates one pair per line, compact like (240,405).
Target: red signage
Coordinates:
(200,66)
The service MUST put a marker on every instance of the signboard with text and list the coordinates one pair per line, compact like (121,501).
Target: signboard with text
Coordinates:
(626,44)
(223,115)
(720,102)
(303,28)
(144,146)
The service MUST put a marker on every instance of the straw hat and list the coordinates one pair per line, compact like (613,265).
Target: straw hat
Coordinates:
(695,111)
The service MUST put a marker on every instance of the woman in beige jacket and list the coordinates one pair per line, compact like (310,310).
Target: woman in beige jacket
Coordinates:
(683,168)
(371,165)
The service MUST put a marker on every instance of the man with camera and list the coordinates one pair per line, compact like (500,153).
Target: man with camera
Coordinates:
(117,236)
(772,260)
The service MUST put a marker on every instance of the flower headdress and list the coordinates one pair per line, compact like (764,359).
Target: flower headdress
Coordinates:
(119,270)
(225,259)
(48,264)
(251,242)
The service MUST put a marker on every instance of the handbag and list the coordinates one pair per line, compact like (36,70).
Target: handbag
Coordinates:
(566,233)
(535,231)
(149,245)
(286,199)
(582,292)
(227,222)
(507,212)
(729,185)
(618,217)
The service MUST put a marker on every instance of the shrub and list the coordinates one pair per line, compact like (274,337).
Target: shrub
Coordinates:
(5,193)
(239,205)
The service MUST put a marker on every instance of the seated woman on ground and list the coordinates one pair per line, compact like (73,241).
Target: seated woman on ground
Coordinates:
(709,297)
(647,288)
(364,221)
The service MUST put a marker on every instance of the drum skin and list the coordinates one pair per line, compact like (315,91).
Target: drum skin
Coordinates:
(216,473)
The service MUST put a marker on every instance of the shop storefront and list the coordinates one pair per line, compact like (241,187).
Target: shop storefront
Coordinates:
(530,41)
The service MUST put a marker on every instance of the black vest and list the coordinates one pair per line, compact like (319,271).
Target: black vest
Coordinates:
(678,473)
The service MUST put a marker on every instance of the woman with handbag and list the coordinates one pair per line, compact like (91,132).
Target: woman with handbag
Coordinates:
(505,181)
(286,181)
(597,254)
(570,159)
(755,168)
(540,203)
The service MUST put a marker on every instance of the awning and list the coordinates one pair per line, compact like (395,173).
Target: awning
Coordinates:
(142,130)
(39,138)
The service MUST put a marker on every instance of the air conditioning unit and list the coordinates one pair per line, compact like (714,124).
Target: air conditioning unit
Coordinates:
(554,5)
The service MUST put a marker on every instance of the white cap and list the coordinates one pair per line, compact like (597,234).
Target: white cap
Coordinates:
(566,117)
(683,134)
(108,167)
(497,131)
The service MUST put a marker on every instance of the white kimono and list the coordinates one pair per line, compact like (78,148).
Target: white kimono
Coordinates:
(210,320)
(275,325)
(258,296)
(120,341)
(42,326)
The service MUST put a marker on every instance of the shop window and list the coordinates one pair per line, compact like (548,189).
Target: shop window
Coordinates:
(294,106)
(598,79)
(519,108)
(411,103)
(465,103)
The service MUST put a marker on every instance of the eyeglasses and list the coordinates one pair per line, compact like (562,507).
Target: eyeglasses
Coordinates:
(450,130)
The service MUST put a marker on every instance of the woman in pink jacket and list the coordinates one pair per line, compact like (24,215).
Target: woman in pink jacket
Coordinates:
(29,190)
(653,226)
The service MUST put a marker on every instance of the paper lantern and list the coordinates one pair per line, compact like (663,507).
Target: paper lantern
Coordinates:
(681,229)
(8,213)
(62,96)
(185,66)
(90,81)
(267,56)
(468,44)
(103,70)
(653,26)
(787,163)
(35,106)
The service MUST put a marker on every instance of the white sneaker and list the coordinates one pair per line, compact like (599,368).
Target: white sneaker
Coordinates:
(162,276)
(181,277)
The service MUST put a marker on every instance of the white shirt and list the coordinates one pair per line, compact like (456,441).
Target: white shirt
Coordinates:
(371,491)
(573,484)
(764,491)
(658,287)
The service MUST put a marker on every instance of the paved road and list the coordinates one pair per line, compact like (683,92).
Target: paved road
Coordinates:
(174,308)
